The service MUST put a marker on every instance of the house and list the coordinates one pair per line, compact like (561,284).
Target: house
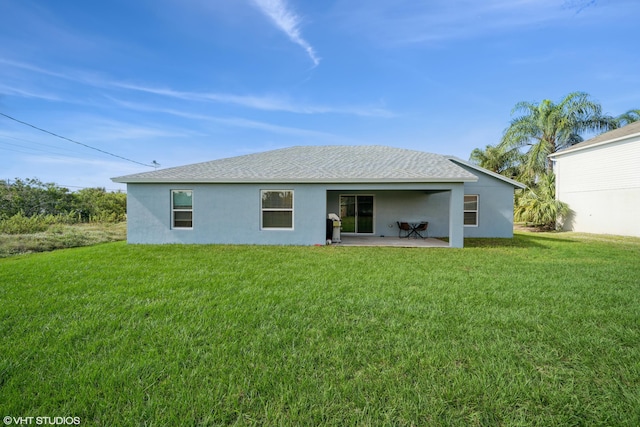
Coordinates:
(283,197)
(600,181)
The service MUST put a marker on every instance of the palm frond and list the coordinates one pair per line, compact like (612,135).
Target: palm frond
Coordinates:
(538,206)
(547,127)
(628,117)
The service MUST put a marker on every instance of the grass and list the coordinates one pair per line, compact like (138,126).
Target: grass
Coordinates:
(542,330)
(61,236)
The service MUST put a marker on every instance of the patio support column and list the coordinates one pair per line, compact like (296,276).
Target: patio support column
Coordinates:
(456,216)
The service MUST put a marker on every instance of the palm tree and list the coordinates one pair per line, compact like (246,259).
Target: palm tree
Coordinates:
(538,206)
(628,117)
(497,160)
(546,127)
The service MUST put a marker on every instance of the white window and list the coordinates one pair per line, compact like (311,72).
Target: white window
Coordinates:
(277,209)
(182,209)
(471,210)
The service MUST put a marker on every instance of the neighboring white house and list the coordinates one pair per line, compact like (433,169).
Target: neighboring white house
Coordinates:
(600,181)
(283,197)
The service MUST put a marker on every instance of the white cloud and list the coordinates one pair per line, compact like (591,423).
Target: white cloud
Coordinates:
(266,102)
(227,121)
(288,21)
(437,21)
(28,93)
(30,67)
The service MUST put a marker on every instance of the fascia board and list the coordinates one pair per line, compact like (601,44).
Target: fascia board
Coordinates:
(570,150)
(124,180)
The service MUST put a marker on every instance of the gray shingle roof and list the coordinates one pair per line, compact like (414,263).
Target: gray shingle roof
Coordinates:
(616,134)
(315,164)
(488,172)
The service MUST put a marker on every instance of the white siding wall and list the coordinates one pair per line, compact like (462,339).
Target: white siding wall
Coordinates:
(602,187)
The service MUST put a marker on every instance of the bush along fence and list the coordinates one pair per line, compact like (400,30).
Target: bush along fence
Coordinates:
(31,206)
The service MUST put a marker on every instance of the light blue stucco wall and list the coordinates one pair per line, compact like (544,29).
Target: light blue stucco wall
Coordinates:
(495,204)
(223,213)
(230,213)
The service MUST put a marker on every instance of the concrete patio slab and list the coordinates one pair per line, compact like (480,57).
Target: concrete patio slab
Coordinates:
(392,241)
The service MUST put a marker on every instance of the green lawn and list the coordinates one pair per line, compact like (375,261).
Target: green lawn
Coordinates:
(540,330)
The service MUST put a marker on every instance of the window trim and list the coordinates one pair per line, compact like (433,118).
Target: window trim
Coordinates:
(174,210)
(476,210)
(263,209)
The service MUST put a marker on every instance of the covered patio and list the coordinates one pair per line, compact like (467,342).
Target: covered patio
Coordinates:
(393,241)
(370,214)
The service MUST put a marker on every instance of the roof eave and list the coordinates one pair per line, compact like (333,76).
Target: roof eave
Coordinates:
(488,172)
(570,150)
(125,180)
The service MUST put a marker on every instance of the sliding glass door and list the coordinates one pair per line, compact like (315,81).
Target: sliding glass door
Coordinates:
(356,213)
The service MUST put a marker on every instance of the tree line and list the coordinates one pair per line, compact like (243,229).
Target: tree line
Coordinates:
(31,198)
(536,131)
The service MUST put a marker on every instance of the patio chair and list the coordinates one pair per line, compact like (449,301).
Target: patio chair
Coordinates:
(421,228)
(404,227)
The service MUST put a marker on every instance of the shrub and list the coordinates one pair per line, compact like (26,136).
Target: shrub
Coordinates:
(59,236)
(538,205)
(32,197)
(21,224)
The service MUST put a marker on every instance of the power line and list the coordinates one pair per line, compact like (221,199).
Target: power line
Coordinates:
(51,155)
(117,190)
(38,143)
(60,151)
(75,142)
(83,188)
(34,149)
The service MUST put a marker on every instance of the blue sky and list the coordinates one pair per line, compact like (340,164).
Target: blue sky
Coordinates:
(185,81)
